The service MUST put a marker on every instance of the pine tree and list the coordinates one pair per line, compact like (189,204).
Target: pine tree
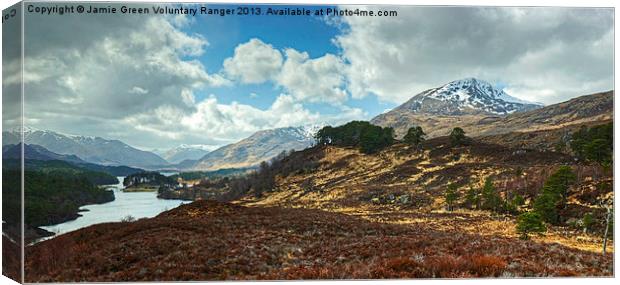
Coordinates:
(415,136)
(490,198)
(451,196)
(457,136)
(530,222)
(472,198)
(554,194)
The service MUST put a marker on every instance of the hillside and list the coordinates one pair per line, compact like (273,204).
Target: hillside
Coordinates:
(403,185)
(35,156)
(261,146)
(582,110)
(216,241)
(53,194)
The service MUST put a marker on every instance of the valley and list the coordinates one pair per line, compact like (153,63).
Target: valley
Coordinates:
(484,188)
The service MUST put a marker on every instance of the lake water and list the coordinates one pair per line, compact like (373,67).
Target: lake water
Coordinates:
(135,204)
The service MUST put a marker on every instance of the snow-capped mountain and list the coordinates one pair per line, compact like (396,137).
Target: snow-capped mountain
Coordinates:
(185,152)
(91,149)
(459,103)
(467,96)
(261,146)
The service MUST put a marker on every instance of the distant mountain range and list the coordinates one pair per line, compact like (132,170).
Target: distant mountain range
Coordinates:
(185,152)
(90,149)
(260,146)
(38,153)
(472,104)
(249,152)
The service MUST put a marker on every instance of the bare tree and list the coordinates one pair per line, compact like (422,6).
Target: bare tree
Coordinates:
(607,218)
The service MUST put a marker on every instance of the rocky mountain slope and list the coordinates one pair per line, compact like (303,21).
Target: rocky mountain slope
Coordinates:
(90,149)
(261,146)
(439,114)
(582,110)
(466,96)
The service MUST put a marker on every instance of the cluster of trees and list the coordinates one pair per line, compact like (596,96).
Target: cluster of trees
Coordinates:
(546,206)
(553,196)
(263,179)
(550,203)
(220,173)
(368,137)
(594,144)
(50,197)
(487,198)
(149,178)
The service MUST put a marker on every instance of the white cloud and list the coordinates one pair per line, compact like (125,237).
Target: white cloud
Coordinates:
(548,54)
(138,90)
(94,77)
(313,80)
(253,62)
(215,123)
(307,79)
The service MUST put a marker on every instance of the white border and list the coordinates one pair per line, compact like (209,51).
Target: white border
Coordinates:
(565,3)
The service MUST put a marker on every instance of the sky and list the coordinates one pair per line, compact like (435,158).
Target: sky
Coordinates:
(156,82)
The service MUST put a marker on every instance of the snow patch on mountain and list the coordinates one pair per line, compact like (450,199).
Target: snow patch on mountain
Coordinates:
(474,94)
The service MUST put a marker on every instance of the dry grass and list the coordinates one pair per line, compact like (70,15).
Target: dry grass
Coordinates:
(214,241)
(343,182)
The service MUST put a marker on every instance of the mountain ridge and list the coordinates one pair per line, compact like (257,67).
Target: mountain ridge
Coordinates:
(437,118)
(466,96)
(260,146)
(90,149)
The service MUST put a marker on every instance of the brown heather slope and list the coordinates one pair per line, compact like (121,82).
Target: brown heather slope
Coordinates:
(546,139)
(213,241)
(401,185)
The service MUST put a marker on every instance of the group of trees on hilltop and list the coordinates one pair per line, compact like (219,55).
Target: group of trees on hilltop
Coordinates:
(368,137)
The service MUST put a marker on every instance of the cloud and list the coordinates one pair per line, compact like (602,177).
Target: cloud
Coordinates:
(123,71)
(225,123)
(138,90)
(253,62)
(117,80)
(543,54)
(307,79)
(313,80)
